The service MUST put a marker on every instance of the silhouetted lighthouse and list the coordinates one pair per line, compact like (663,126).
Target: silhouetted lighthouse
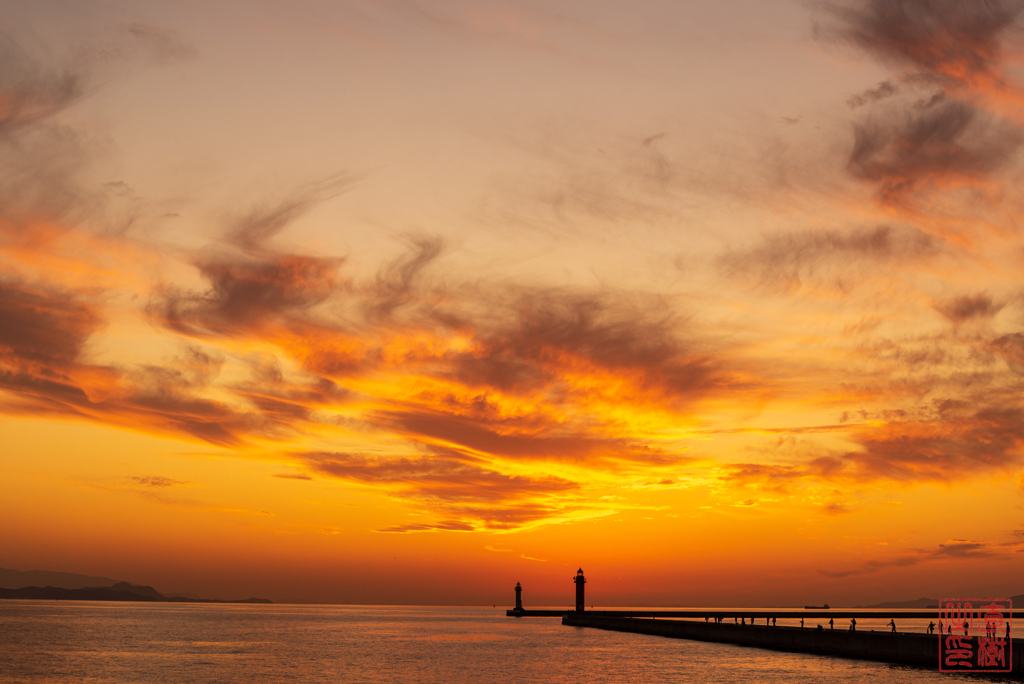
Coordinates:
(519,596)
(579,581)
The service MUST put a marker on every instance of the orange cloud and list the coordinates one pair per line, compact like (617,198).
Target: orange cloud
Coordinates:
(467,495)
(957,442)
(497,385)
(961,441)
(41,347)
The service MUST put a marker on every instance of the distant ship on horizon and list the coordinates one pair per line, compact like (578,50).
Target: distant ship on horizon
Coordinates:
(824,607)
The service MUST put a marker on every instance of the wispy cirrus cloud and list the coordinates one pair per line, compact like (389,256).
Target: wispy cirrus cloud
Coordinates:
(501,372)
(468,496)
(479,389)
(786,261)
(937,132)
(294,476)
(967,307)
(157,45)
(473,353)
(32,90)
(883,90)
(536,439)
(158,481)
(835,508)
(254,286)
(448,526)
(946,143)
(957,439)
(43,369)
(947,39)
(959,135)
(1011,348)
(956,549)
(961,440)
(443,479)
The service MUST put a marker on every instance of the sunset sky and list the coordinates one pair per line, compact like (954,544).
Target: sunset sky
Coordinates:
(405,301)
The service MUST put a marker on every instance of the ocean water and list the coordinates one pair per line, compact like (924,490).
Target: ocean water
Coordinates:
(80,641)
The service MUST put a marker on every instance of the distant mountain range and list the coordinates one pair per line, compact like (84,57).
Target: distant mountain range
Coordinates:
(65,586)
(933,603)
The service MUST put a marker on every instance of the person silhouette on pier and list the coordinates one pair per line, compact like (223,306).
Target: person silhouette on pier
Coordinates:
(893,623)
(967,628)
(853,624)
(931,627)
(831,623)
(949,628)
(743,621)
(773,622)
(801,623)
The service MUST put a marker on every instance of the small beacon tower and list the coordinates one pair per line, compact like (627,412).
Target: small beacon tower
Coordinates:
(519,596)
(579,581)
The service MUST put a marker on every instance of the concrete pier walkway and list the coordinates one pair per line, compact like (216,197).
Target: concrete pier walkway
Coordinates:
(759,614)
(536,613)
(912,649)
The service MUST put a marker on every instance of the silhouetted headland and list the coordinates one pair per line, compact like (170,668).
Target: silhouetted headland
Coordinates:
(12,579)
(1017,600)
(122,591)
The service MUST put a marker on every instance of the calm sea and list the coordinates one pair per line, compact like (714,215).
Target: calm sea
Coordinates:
(72,641)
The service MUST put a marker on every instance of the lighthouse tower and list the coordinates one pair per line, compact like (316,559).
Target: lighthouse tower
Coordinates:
(579,581)
(519,596)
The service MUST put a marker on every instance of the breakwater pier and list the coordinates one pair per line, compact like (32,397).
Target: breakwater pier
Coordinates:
(537,613)
(918,649)
(952,639)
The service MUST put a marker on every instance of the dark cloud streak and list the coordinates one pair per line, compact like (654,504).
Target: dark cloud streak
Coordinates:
(957,442)
(949,39)
(883,90)
(786,261)
(947,140)
(31,91)
(465,495)
(948,143)
(967,307)
(43,365)
(956,549)
(440,479)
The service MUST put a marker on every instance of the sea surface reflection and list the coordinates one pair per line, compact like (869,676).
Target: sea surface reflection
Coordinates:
(46,641)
